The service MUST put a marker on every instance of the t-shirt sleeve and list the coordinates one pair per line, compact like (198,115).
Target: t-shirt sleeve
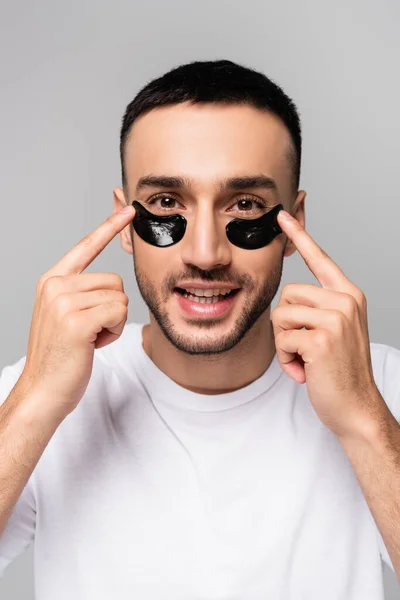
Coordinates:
(20,529)
(388,382)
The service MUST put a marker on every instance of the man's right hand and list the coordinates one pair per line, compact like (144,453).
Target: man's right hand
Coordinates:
(74,313)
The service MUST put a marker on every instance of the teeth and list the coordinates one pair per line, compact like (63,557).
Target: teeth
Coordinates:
(202,299)
(207,292)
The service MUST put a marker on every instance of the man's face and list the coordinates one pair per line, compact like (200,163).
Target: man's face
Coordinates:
(204,146)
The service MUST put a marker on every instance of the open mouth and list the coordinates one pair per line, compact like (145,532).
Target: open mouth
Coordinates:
(207,296)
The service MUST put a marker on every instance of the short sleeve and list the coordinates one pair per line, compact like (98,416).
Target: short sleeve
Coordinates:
(20,529)
(391,381)
(387,379)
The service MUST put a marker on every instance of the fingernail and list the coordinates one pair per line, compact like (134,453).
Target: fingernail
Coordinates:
(285,215)
(126,209)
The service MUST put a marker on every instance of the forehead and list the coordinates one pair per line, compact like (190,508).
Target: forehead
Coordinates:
(208,142)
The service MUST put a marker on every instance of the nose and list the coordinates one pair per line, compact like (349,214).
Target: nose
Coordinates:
(205,244)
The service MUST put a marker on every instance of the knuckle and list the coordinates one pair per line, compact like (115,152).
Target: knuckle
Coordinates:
(351,304)
(120,310)
(52,285)
(104,293)
(89,244)
(321,338)
(361,299)
(337,320)
(288,289)
(123,310)
(41,280)
(109,223)
(115,307)
(282,335)
(117,281)
(275,313)
(316,257)
(108,306)
(124,299)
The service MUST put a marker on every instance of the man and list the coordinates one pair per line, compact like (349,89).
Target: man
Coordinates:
(219,451)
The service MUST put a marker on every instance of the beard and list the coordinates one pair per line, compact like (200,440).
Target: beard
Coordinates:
(256,302)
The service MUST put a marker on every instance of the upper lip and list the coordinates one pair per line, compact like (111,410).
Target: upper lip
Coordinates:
(206,286)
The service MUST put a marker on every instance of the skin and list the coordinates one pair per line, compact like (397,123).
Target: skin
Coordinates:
(209,144)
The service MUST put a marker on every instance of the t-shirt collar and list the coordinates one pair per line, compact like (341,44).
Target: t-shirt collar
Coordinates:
(163,388)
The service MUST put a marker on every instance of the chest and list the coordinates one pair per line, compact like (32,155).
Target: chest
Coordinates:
(200,505)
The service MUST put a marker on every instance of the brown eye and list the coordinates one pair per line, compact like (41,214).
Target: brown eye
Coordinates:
(249,205)
(167,202)
(245,204)
(162,202)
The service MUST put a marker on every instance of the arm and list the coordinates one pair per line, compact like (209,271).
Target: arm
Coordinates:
(25,431)
(74,313)
(374,453)
(322,339)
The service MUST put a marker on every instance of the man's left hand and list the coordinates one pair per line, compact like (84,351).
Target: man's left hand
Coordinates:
(332,354)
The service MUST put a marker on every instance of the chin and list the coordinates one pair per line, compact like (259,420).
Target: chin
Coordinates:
(203,337)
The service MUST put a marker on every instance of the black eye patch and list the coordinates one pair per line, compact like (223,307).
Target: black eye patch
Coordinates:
(158,230)
(163,231)
(252,234)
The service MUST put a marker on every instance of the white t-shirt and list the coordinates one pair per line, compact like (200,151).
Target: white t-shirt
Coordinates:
(150,491)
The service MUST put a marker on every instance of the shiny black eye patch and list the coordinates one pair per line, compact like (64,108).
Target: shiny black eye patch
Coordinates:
(167,230)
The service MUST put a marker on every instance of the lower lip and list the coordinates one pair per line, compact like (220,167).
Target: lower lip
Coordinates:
(197,309)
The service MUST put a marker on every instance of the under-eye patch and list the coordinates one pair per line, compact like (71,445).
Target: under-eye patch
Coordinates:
(251,234)
(167,230)
(158,230)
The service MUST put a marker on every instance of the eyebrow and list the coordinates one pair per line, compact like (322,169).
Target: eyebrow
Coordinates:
(236,183)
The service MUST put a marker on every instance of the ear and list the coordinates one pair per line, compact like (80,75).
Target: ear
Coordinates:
(298,212)
(125,236)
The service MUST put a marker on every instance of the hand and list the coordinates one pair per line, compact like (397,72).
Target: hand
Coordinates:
(73,314)
(332,354)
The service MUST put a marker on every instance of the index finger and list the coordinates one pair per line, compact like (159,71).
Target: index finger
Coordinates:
(89,247)
(328,273)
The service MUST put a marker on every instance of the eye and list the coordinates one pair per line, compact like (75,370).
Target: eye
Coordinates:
(245,205)
(163,202)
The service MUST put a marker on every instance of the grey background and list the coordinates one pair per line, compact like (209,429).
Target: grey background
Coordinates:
(66,74)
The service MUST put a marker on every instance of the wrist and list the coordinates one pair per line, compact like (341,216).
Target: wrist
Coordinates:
(33,410)
(375,429)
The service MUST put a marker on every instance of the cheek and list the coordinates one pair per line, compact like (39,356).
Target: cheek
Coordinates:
(147,256)
(261,263)
(152,262)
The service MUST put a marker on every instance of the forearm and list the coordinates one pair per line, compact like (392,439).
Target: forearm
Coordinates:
(24,434)
(374,454)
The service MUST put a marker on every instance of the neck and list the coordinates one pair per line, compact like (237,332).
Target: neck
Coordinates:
(219,373)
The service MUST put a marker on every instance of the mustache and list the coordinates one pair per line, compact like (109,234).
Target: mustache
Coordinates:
(218,274)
